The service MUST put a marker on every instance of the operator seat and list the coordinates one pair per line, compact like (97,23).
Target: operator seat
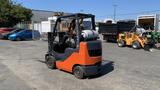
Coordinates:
(65,55)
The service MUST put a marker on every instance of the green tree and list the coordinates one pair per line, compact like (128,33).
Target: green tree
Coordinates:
(12,13)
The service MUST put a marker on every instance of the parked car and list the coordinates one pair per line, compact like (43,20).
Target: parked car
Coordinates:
(24,35)
(6,35)
(4,30)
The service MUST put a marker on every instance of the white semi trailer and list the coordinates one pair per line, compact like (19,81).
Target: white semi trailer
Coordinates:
(149,22)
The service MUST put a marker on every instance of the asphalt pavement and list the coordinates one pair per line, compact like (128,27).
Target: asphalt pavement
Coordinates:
(23,68)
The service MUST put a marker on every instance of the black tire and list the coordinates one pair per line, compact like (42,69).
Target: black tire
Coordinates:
(107,40)
(104,37)
(136,45)
(121,43)
(78,72)
(146,47)
(50,62)
(18,39)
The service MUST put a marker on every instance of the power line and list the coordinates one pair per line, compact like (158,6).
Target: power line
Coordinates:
(135,13)
(140,12)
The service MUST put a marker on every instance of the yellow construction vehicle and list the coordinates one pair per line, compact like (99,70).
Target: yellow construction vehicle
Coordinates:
(135,40)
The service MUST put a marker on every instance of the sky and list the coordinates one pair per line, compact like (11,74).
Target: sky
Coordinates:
(103,9)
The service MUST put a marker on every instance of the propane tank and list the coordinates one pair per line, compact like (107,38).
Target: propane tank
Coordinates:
(89,34)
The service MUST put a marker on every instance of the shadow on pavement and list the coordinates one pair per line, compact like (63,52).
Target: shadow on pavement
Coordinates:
(41,61)
(107,67)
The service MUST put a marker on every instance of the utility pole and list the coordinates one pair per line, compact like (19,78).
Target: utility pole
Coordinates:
(33,37)
(115,7)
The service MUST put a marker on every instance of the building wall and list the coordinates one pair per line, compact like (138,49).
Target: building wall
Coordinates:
(42,20)
(41,15)
(47,26)
(37,26)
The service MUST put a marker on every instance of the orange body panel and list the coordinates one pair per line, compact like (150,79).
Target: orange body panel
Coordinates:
(78,58)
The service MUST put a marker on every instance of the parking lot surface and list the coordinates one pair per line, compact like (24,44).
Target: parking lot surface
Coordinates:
(22,67)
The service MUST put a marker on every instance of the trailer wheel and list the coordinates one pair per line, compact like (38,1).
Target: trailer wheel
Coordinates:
(78,72)
(50,62)
(136,45)
(107,40)
(121,43)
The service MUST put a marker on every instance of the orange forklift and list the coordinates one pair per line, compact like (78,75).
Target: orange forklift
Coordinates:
(73,46)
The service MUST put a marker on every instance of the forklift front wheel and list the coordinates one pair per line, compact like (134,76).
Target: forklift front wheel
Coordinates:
(50,62)
(78,72)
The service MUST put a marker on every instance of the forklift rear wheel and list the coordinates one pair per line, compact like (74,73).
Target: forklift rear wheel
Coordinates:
(50,62)
(121,43)
(136,45)
(78,72)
